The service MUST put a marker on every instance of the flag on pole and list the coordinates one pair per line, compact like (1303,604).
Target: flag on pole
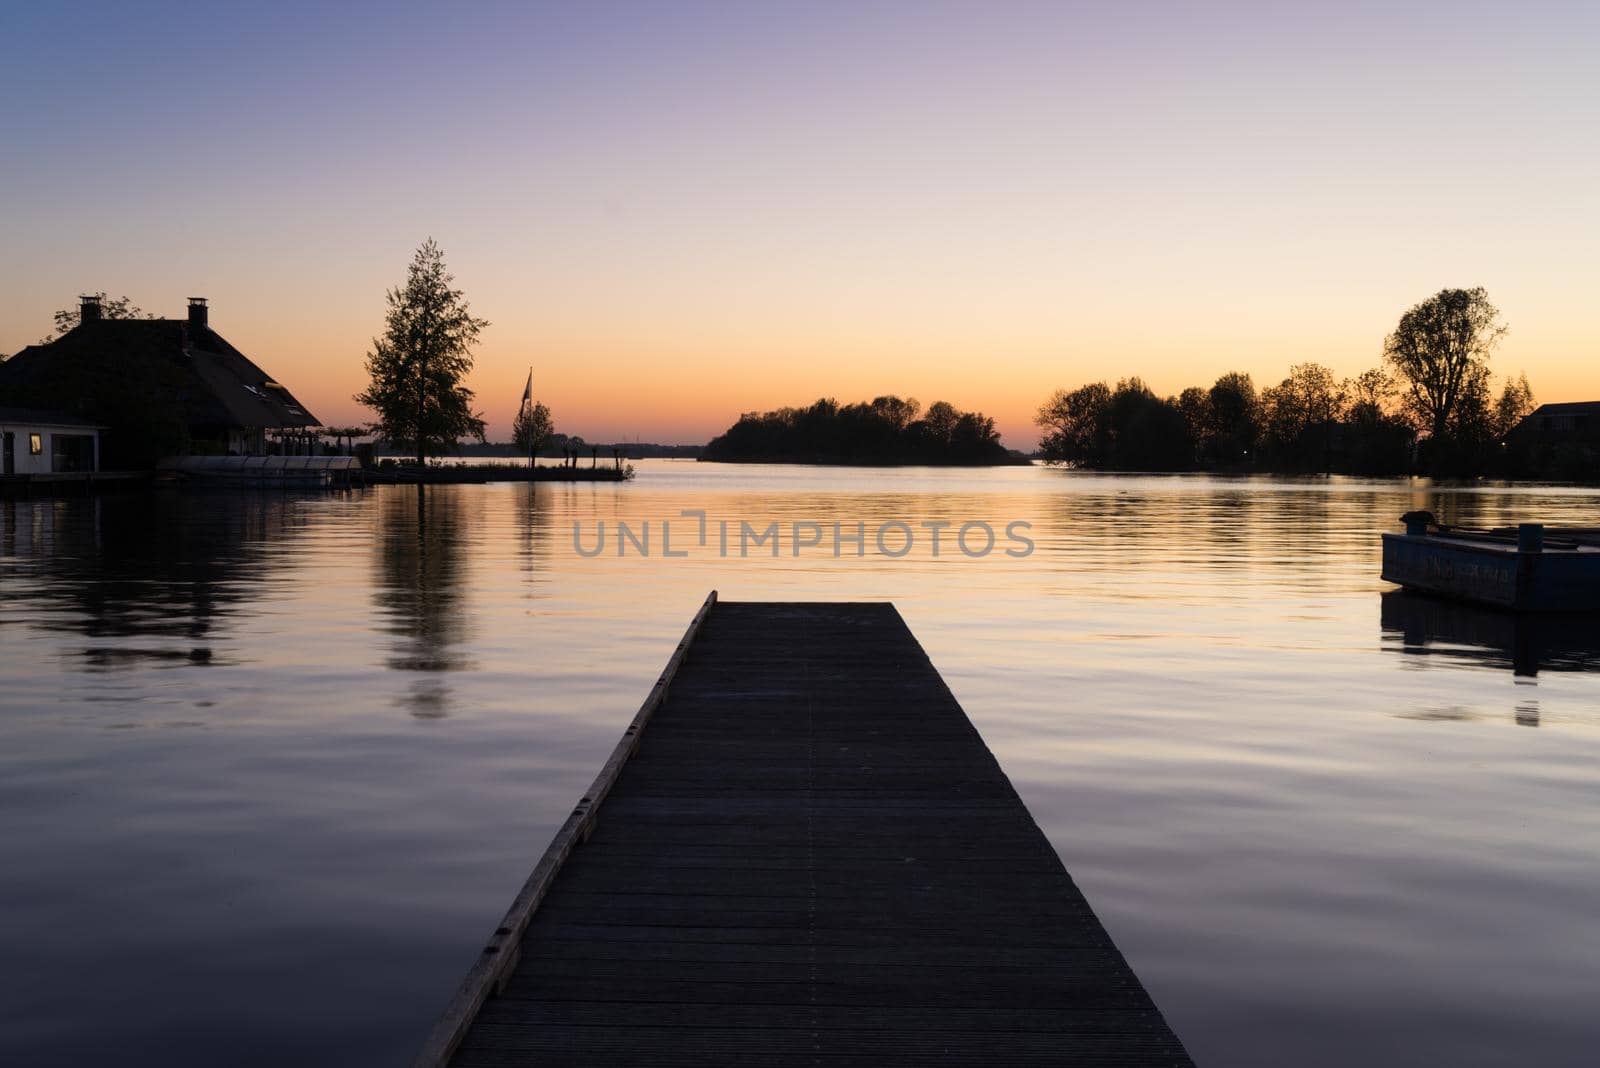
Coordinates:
(526,409)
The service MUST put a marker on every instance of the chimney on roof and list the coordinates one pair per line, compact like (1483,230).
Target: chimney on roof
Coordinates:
(197,312)
(89,309)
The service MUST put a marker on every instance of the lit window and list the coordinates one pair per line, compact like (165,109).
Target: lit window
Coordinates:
(35,444)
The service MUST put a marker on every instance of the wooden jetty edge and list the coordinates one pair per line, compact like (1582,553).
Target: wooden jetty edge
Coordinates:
(811,858)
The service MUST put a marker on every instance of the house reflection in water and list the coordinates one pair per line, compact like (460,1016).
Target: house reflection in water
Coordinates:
(1525,643)
(156,576)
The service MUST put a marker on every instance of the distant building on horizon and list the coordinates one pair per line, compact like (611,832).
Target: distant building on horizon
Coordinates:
(1558,441)
(1567,421)
(159,386)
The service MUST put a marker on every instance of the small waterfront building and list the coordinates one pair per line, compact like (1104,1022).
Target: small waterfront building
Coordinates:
(1571,421)
(1558,441)
(159,386)
(34,442)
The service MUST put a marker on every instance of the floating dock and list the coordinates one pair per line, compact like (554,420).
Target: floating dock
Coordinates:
(1527,568)
(800,853)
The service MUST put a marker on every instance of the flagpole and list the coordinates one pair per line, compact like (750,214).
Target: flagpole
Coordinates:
(529,405)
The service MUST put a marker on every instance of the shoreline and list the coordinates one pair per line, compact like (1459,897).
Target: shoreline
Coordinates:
(447,474)
(813,462)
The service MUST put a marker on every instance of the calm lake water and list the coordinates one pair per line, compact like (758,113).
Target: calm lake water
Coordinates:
(272,765)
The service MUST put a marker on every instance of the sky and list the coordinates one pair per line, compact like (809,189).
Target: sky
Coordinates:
(678,212)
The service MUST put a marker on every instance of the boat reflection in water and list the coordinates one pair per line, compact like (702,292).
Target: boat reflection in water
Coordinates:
(1527,643)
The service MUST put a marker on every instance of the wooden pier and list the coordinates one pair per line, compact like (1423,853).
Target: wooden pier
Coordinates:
(800,853)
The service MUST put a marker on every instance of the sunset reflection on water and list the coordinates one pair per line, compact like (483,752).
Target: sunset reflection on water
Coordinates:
(262,754)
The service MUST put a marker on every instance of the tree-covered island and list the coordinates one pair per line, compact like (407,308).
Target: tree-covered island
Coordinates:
(885,431)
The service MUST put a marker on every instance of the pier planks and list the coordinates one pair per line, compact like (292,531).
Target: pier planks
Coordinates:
(808,858)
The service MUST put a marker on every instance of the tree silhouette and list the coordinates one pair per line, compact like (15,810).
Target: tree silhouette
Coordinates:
(1147,433)
(110,308)
(1441,349)
(1076,432)
(533,428)
(898,412)
(1235,418)
(939,422)
(1301,412)
(1515,405)
(1374,388)
(418,364)
(1126,429)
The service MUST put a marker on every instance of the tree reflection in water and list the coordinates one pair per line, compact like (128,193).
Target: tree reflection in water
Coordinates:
(418,592)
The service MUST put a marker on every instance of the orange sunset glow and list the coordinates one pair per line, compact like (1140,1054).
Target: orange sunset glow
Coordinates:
(672,226)
(773,532)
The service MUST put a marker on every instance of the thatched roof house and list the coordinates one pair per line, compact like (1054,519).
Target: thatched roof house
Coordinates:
(162,386)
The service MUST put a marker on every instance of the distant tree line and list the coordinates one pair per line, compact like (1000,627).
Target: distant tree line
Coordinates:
(886,430)
(1428,408)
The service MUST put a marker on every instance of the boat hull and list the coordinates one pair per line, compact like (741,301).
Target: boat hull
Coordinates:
(1494,574)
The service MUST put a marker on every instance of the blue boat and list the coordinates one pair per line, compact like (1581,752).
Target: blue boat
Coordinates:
(1526,568)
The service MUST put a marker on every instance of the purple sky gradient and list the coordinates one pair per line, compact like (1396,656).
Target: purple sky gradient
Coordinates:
(679,211)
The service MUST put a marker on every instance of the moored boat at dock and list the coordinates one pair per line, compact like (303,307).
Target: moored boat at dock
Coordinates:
(1526,568)
(282,471)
